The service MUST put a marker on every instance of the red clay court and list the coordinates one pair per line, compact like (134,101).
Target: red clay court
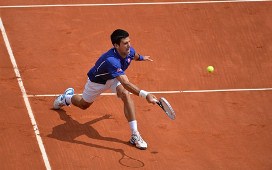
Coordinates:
(224,119)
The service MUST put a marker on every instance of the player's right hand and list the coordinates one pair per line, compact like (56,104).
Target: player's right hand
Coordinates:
(151,98)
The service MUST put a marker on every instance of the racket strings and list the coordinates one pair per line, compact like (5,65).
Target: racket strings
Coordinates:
(168,109)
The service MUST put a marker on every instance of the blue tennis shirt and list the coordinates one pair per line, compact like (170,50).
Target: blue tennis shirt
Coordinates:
(109,66)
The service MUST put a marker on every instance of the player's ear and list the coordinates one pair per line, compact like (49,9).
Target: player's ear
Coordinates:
(116,45)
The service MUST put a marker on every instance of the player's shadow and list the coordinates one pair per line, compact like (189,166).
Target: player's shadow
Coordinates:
(71,129)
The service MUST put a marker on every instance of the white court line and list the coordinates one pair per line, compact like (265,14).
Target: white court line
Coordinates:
(130,4)
(21,85)
(169,92)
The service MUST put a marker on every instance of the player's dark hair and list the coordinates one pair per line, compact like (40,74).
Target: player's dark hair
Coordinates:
(117,35)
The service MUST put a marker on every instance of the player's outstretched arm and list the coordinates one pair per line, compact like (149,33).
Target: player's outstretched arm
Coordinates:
(139,57)
(135,90)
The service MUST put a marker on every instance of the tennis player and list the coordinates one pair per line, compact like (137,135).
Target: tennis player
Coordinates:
(109,73)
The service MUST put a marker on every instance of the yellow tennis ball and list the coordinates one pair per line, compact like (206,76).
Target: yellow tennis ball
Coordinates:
(210,69)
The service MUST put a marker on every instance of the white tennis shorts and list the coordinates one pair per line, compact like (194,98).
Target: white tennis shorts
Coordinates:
(93,90)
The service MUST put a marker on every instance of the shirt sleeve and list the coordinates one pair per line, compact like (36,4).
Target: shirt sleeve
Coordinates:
(132,53)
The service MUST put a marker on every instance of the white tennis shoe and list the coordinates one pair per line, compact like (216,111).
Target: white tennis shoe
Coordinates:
(60,100)
(138,141)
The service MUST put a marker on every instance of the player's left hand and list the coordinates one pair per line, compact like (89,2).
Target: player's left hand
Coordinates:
(147,58)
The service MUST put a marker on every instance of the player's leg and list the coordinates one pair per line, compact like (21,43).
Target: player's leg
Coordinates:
(129,108)
(129,111)
(78,101)
(90,93)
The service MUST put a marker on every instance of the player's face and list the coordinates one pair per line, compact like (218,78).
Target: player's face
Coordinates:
(124,47)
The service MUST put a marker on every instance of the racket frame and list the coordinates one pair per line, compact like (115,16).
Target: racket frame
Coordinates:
(171,115)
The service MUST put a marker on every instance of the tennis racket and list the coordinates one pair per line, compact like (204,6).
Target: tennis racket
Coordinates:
(166,107)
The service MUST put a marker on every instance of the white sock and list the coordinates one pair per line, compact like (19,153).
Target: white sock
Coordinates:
(133,126)
(68,99)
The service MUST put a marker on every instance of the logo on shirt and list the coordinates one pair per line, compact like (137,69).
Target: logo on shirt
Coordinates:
(119,70)
(128,60)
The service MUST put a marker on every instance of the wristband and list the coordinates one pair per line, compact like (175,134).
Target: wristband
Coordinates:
(143,94)
(141,58)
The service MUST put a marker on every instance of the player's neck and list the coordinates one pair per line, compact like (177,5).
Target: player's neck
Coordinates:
(121,54)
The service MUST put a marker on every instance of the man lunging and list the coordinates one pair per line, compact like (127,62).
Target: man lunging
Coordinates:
(109,73)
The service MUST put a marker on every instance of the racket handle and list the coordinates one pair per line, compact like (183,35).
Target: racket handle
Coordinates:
(157,101)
